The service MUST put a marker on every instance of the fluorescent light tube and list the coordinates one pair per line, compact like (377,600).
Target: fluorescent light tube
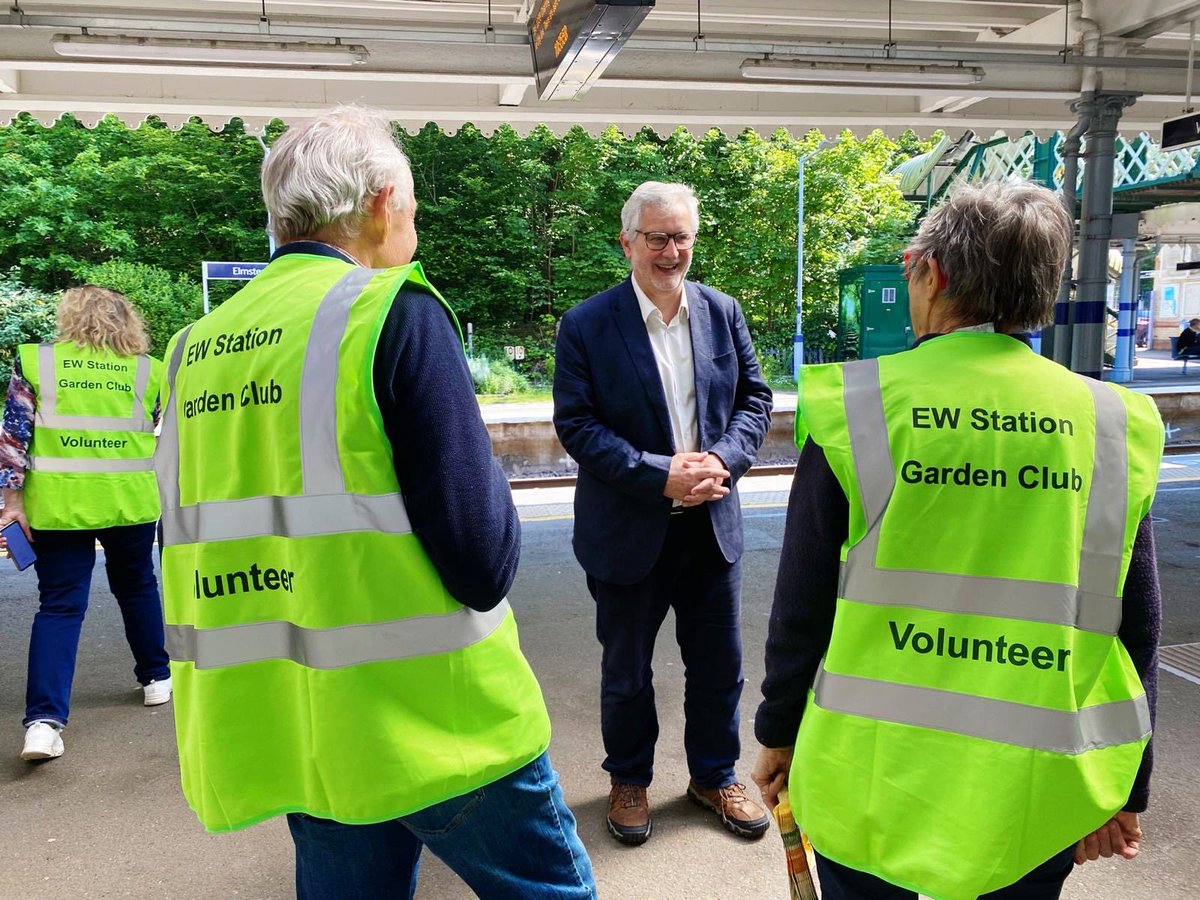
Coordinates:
(864,73)
(202,51)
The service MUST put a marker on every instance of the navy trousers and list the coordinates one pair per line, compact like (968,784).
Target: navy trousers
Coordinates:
(64,569)
(841,883)
(693,578)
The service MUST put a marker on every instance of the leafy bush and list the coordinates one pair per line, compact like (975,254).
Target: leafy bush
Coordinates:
(167,302)
(538,364)
(496,376)
(776,367)
(26,317)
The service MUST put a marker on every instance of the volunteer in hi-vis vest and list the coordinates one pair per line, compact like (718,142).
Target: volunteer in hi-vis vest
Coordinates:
(337,543)
(966,612)
(76,467)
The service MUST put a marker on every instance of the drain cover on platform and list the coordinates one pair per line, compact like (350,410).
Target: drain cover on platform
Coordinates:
(1182,660)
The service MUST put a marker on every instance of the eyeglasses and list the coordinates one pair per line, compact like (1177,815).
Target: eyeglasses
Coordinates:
(911,261)
(657,240)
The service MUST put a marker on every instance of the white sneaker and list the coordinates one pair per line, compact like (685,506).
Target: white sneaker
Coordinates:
(42,741)
(157,693)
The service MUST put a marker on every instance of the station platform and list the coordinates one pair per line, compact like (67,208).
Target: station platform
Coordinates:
(1155,373)
(524,441)
(762,494)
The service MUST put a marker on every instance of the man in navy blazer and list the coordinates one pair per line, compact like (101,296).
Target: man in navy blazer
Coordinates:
(659,399)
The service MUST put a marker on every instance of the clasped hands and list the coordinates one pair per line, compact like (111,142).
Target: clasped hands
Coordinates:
(696,478)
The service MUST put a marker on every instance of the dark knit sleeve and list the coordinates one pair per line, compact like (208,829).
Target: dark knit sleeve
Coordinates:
(457,497)
(818,521)
(1141,627)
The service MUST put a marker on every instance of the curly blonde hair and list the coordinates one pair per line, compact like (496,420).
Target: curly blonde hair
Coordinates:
(96,317)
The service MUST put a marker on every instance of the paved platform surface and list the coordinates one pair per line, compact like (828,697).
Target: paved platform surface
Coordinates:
(107,819)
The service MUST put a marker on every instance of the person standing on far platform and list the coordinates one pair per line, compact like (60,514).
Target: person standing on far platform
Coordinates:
(1189,340)
(960,664)
(659,399)
(76,468)
(337,545)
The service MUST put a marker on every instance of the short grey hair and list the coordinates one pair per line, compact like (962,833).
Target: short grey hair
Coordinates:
(321,175)
(1002,247)
(659,194)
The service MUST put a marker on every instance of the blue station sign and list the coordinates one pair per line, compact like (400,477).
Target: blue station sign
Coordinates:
(232,271)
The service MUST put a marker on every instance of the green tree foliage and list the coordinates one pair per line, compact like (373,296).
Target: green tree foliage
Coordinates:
(514,230)
(76,197)
(26,317)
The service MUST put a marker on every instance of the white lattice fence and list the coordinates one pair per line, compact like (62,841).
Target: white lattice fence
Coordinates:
(1136,162)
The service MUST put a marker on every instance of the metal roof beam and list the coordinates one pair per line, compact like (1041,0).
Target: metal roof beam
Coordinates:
(1139,19)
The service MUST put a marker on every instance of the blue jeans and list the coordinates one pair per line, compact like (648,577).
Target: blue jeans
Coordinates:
(839,882)
(64,569)
(513,839)
(692,577)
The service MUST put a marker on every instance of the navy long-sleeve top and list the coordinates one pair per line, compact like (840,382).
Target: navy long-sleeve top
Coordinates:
(457,496)
(801,624)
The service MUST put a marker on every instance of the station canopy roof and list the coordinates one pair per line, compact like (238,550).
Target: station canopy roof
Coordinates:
(686,65)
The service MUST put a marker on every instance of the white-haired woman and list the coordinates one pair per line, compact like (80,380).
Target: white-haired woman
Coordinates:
(76,467)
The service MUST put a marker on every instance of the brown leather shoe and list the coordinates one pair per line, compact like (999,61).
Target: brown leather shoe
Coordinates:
(737,812)
(628,813)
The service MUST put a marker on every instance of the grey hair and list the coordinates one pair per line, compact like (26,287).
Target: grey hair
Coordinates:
(1002,247)
(659,194)
(321,175)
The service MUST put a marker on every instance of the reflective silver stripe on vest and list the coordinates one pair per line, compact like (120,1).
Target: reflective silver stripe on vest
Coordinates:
(1092,606)
(1108,499)
(324,507)
(89,464)
(318,407)
(298,516)
(332,648)
(166,454)
(46,415)
(1003,721)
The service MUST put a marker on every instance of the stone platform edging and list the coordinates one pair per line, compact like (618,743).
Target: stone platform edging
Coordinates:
(532,448)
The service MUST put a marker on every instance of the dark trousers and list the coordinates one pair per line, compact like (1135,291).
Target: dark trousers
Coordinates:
(841,883)
(64,569)
(693,578)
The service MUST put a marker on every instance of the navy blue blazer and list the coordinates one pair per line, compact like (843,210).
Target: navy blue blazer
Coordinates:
(610,413)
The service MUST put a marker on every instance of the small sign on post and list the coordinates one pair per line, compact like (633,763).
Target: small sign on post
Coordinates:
(510,352)
(520,352)
(1181,131)
(227,271)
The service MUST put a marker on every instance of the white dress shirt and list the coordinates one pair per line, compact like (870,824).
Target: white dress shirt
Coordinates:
(672,345)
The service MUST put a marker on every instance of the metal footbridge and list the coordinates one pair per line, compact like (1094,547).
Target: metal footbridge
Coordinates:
(1144,175)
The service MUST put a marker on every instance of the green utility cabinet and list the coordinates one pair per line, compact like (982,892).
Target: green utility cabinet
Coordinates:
(873,318)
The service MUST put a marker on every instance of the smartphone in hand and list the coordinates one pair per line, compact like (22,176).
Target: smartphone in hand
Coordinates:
(20,551)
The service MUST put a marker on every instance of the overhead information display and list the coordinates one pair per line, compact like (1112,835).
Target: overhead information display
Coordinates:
(1182,131)
(573,41)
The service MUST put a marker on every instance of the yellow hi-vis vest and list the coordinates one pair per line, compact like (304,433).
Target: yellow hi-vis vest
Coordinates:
(91,457)
(975,712)
(319,664)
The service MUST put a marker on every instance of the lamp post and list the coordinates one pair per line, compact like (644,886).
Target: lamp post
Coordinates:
(798,339)
(270,235)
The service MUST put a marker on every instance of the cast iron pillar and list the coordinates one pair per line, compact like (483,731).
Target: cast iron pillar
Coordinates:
(1088,312)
